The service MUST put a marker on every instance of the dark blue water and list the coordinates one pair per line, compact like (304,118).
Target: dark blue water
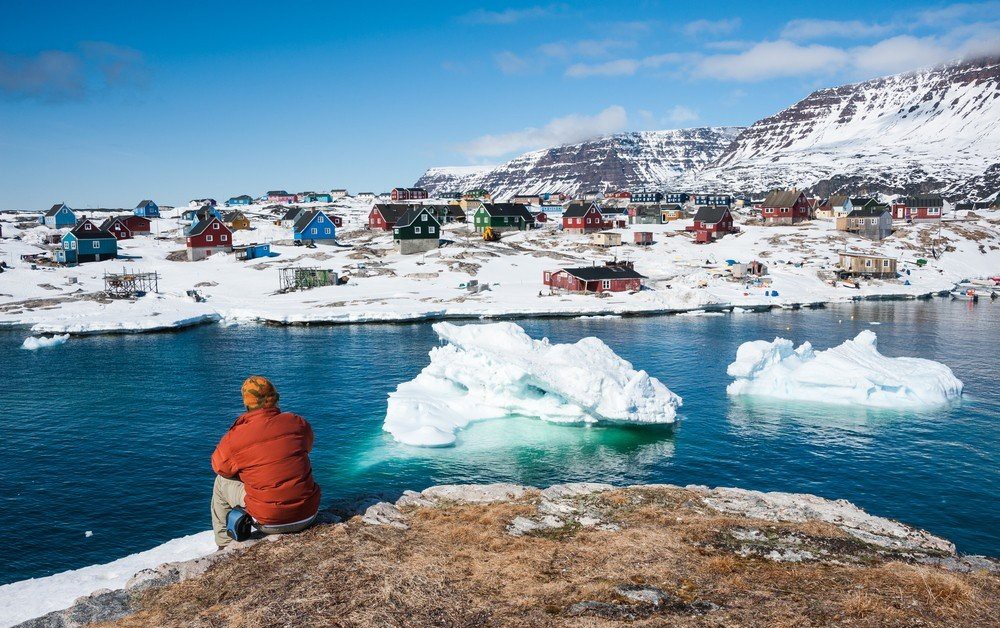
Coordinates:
(113,434)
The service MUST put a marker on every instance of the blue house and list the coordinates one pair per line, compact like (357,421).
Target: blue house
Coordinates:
(242,199)
(317,197)
(314,225)
(194,216)
(87,243)
(58,217)
(147,209)
(252,251)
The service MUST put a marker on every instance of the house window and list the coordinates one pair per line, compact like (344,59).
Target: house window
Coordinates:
(215,226)
(97,244)
(209,238)
(885,263)
(224,237)
(416,230)
(327,231)
(430,230)
(395,232)
(319,218)
(423,217)
(606,284)
(868,263)
(315,230)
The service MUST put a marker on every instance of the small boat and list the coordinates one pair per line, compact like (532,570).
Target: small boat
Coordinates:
(967,295)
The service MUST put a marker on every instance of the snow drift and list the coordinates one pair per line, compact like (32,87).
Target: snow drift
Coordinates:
(496,370)
(851,373)
(34,343)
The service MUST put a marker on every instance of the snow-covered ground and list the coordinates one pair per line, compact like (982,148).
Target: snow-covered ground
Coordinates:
(497,370)
(386,286)
(21,601)
(851,373)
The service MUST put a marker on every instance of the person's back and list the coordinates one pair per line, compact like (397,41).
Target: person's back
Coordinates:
(263,465)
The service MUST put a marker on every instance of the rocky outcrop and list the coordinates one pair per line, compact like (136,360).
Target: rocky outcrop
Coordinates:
(749,527)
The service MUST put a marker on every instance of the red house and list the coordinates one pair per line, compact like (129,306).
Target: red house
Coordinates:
(785,207)
(711,223)
(921,208)
(279,196)
(408,194)
(583,218)
(138,225)
(117,227)
(541,217)
(383,216)
(612,277)
(900,211)
(207,237)
(619,194)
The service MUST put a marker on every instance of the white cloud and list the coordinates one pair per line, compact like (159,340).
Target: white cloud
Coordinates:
(584,48)
(953,13)
(508,16)
(510,63)
(832,30)
(621,67)
(566,130)
(711,27)
(772,59)
(679,114)
(899,54)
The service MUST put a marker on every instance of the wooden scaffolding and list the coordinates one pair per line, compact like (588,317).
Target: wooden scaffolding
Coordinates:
(128,284)
(298,278)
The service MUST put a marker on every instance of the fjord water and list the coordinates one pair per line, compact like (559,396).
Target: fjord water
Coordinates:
(113,434)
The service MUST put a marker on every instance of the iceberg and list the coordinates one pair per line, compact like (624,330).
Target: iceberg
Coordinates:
(34,343)
(851,373)
(496,370)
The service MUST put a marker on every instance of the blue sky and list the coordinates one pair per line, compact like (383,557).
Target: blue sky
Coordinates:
(102,104)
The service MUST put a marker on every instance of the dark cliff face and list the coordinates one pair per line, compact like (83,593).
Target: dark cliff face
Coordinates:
(935,130)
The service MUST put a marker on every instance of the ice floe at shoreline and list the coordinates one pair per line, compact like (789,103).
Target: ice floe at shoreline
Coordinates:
(34,343)
(851,373)
(496,370)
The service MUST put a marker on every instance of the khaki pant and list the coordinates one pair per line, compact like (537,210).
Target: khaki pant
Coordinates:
(228,494)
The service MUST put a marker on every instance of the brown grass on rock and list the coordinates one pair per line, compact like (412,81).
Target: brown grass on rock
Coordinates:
(457,566)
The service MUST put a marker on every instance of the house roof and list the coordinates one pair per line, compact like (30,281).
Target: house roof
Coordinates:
(232,215)
(711,215)
(579,210)
(143,203)
(924,200)
(203,224)
(55,209)
(391,211)
(292,212)
(868,212)
(782,198)
(837,200)
(597,273)
(108,222)
(97,233)
(452,211)
(861,201)
(507,209)
(278,193)
(305,218)
(241,197)
(410,215)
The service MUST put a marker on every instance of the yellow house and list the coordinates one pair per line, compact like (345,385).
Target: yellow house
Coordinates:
(607,238)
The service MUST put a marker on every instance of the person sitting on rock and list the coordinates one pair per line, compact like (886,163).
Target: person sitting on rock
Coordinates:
(262,465)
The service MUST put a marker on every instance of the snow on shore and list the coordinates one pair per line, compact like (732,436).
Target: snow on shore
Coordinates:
(20,601)
(496,370)
(851,373)
(33,343)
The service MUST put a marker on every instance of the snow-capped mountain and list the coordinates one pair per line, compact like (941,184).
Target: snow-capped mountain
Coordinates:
(934,130)
(624,161)
(931,130)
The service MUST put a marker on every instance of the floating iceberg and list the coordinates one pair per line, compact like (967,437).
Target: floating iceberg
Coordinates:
(496,370)
(34,343)
(852,373)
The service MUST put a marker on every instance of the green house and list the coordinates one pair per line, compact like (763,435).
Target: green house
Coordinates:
(503,217)
(416,231)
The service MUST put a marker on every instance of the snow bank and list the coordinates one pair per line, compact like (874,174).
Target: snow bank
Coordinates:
(33,343)
(497,370)
(851,373)
(20,601)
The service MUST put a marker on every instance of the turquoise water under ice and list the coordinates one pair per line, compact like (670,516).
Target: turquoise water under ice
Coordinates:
(113,433)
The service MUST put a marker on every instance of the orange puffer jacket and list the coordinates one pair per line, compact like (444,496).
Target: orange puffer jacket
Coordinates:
(268,450)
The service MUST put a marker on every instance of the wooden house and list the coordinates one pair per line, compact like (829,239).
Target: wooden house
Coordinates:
(242,199)
(147,209)
(785,207)
(642,238)
(417,230)
(193,216)
(527,199)
(676,198)
(408,194)
(87,242)
(863,265)
(646,196)
(314,197)
(670,213)
(200,202)
(207,237)
(247,252)
(451,196)
(291,216)
(118,227)
(338,193)
(367,197)
(59,217)
(711,223)
(138,225)
(858,202)
(236,220)
(921,208)
(540,217)
(502,217)
(644,214)
(606,238)
(613,277)
(615,217)
(553,197)
(280,196)
(874,223)
(831,207)
(383,216)
(314,225)
(619,194)
(583,218)
(713,200)
(480,194)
